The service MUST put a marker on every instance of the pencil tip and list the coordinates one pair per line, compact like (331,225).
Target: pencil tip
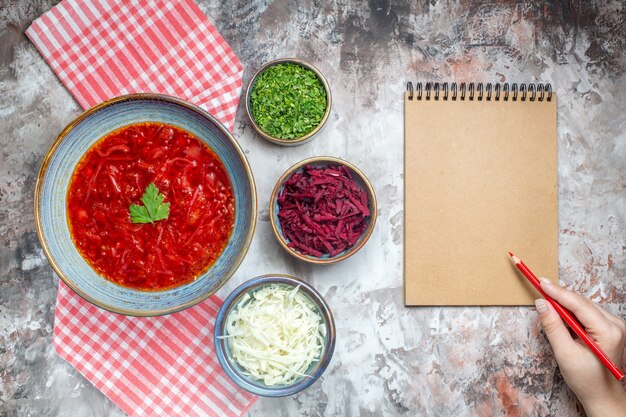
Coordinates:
(514,258)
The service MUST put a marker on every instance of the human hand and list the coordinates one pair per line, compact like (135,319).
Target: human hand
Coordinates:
(599,392)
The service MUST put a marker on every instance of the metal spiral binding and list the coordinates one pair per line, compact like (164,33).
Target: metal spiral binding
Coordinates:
(472,91)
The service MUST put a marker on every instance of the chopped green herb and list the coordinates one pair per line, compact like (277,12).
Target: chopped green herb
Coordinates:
(153,209)
(288,101)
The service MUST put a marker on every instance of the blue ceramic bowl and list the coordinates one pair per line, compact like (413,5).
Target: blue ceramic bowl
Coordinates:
(232,368)
(357,176)
(53,182)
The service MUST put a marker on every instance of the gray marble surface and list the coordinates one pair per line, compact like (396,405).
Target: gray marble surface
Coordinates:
(389,360)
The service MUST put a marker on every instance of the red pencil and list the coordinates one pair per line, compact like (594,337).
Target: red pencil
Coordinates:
(571,321)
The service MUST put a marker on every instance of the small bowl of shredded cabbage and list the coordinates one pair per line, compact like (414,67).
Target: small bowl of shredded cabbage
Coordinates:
(274,335)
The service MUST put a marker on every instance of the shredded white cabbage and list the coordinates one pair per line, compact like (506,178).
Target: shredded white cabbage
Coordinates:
(275,334)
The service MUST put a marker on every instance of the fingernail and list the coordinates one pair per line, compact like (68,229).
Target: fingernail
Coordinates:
(545,281)
(541,305)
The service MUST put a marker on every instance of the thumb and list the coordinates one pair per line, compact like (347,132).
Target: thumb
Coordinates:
(553,326)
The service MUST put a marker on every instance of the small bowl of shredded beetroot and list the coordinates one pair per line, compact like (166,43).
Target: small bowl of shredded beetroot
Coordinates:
(323,210)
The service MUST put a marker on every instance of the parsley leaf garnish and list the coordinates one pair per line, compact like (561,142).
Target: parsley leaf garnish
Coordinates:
(153,209)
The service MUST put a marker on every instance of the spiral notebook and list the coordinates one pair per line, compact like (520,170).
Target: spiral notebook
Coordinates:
(480,180)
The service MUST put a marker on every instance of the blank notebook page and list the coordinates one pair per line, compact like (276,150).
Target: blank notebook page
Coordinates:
(480,180)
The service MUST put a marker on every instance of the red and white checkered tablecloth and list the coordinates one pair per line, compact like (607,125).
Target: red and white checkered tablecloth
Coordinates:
(106,48)
(149,366)
(157,366)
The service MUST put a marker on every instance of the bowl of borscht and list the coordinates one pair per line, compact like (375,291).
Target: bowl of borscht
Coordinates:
(145,205)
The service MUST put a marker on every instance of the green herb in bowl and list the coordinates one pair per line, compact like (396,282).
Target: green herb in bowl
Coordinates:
(288,101)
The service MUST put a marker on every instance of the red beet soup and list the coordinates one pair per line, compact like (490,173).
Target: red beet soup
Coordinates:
(181,191)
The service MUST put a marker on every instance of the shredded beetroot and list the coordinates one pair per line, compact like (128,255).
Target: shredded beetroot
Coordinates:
(322,211)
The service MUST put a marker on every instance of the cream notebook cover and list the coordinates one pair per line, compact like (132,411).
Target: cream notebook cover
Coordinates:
(480,180)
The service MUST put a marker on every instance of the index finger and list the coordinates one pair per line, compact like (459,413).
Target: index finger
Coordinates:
(588,315)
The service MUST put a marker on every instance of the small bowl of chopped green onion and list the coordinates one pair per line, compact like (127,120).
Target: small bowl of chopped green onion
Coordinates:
(288,101)
(274,335)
